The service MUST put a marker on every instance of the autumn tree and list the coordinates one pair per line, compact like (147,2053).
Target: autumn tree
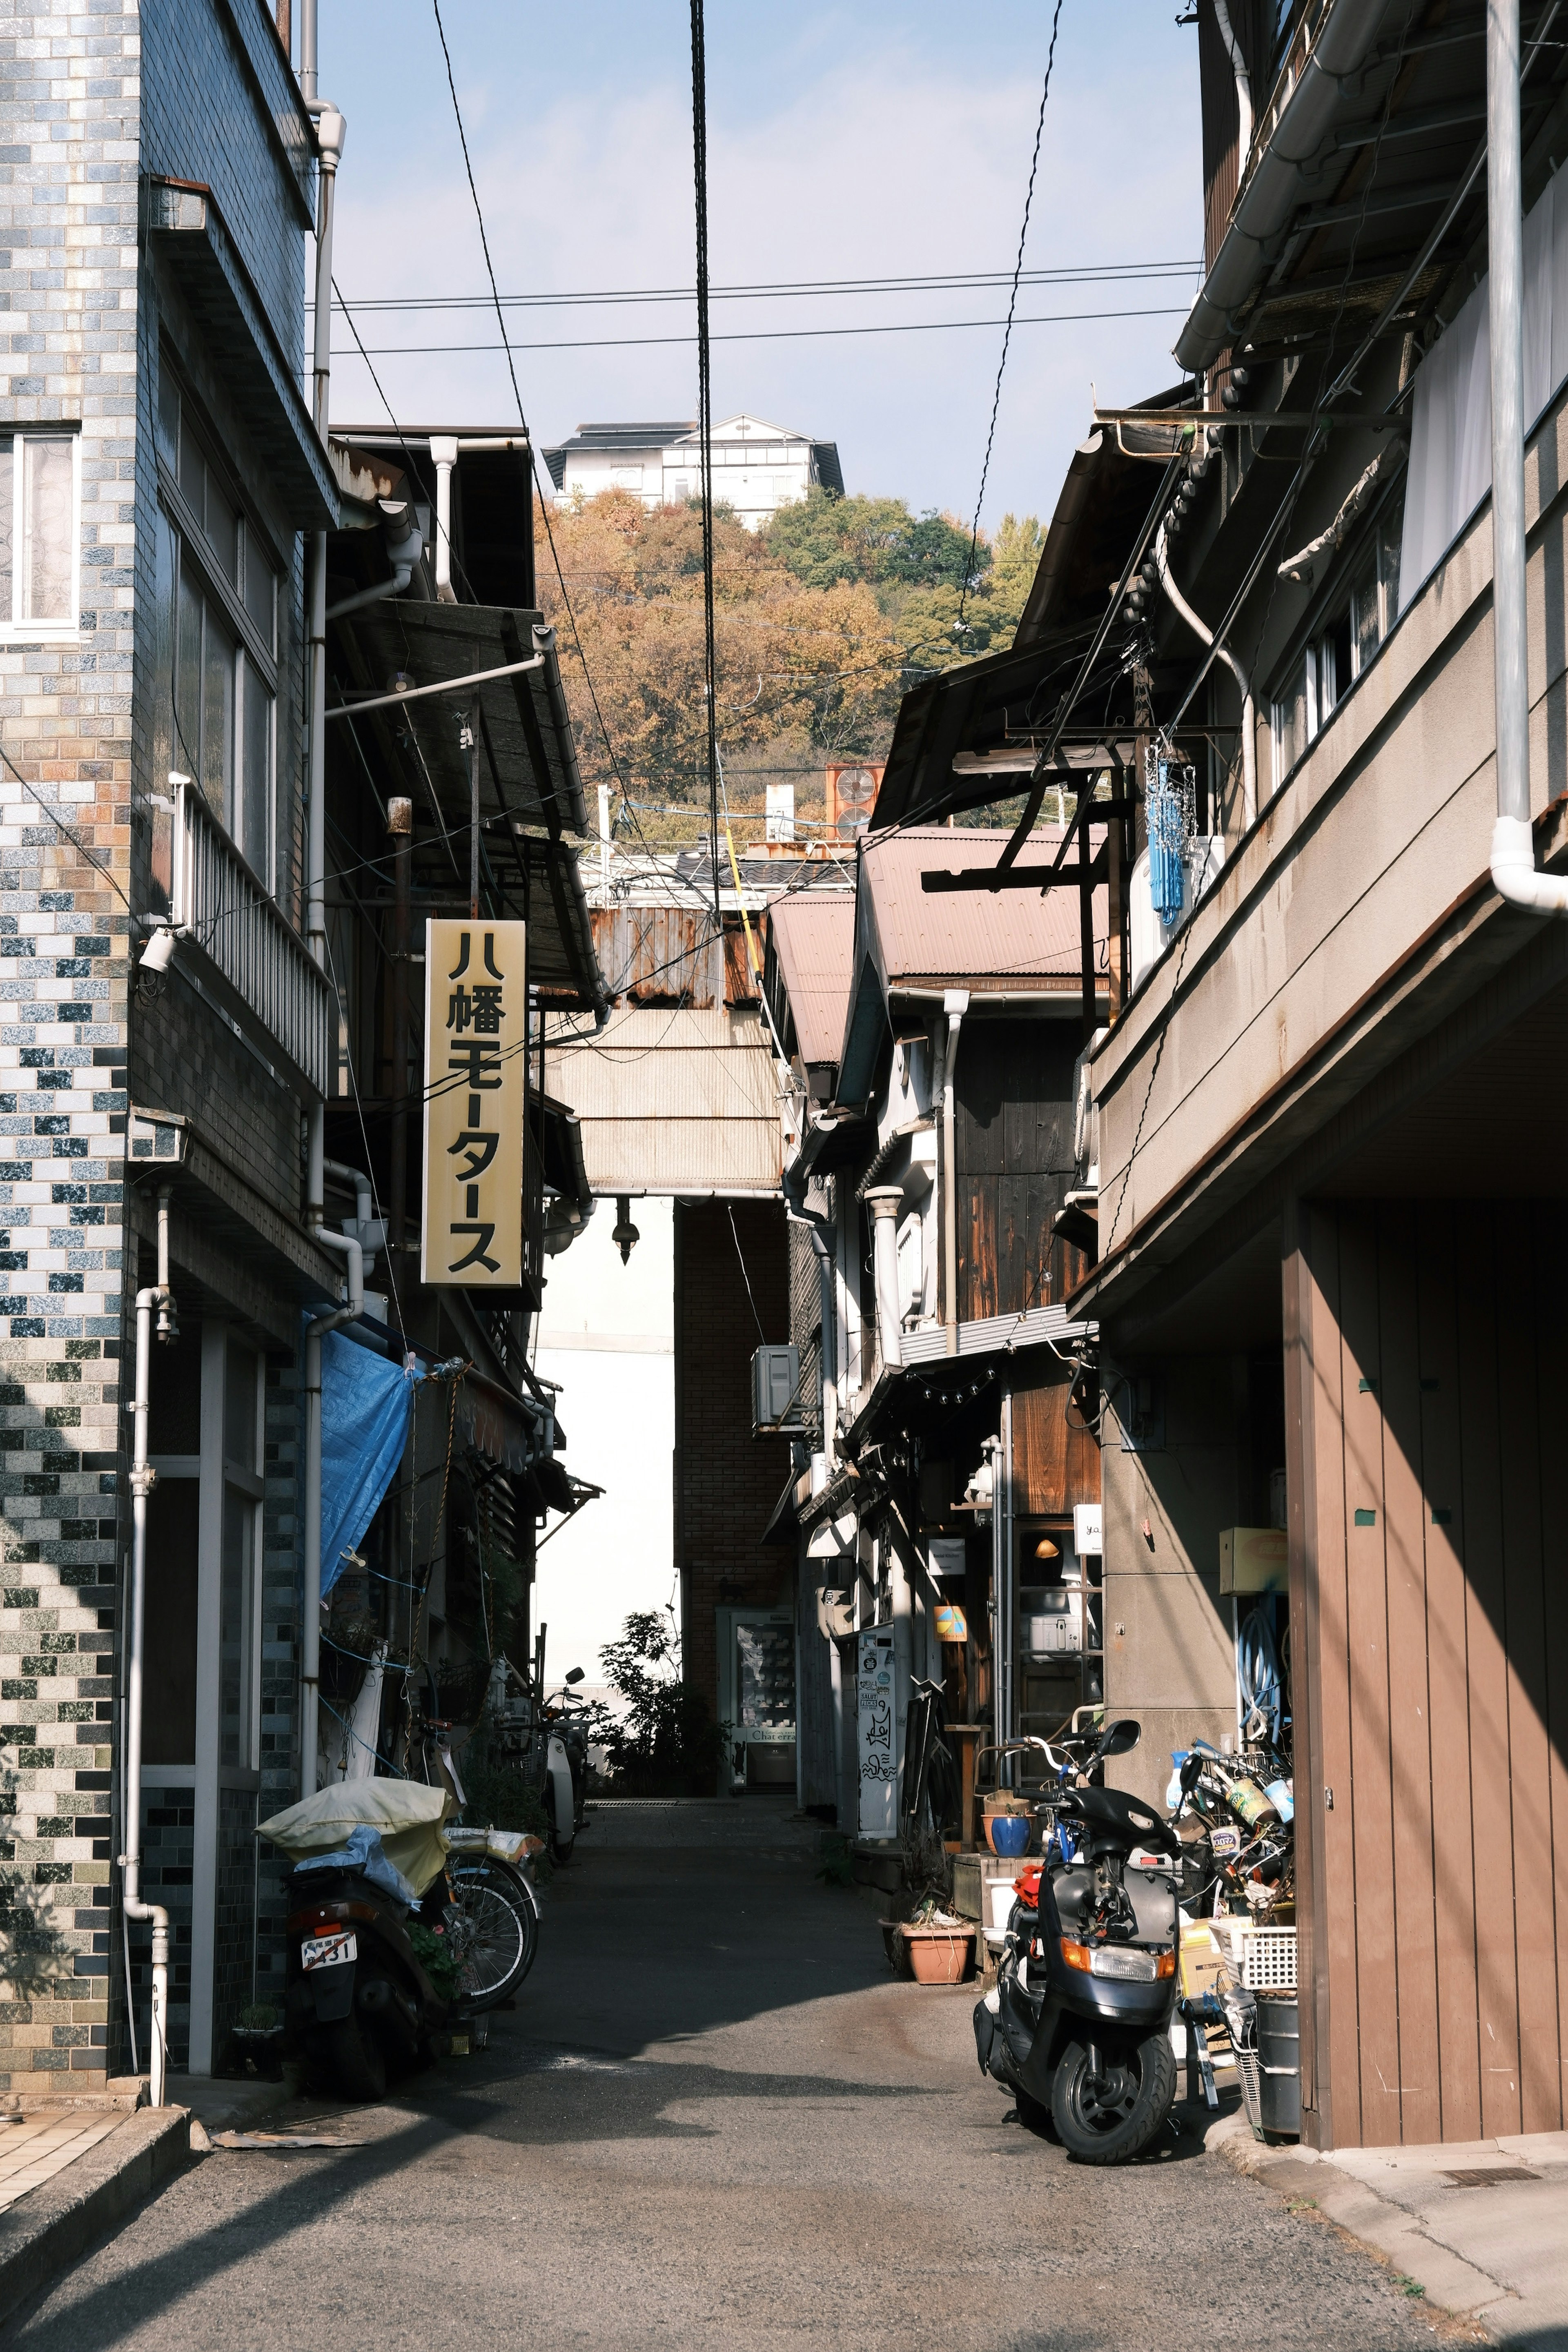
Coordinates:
(807,661)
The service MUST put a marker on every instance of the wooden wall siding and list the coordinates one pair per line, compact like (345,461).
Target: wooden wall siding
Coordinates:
(1425,1394)
(1054,1462)
(1014,1150)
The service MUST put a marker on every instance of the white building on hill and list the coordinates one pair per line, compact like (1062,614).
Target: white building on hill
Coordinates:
(757,467)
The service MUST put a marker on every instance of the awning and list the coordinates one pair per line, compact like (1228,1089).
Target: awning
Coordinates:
(187,230)
(678,1101)
(528,763)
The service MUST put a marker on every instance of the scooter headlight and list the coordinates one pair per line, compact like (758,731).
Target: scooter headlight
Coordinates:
(1119,1962)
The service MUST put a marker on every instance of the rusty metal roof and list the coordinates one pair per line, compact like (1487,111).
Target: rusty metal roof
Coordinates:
(811,957)
(1012,943)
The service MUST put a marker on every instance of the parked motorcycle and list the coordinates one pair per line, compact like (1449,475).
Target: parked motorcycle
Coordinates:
(358,2005)
(566,1769)
(1078,2025)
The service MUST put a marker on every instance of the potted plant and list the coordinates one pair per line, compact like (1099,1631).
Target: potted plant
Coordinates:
(938,1944)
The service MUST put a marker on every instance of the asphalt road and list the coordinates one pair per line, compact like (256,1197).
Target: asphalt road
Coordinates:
(714,2120)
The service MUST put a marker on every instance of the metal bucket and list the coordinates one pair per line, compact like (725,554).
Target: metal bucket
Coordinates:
(1279,2063)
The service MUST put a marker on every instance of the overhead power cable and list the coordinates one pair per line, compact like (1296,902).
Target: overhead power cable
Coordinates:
(705,423)
(779,334)
(1011,307)
(794,289)
(522,420)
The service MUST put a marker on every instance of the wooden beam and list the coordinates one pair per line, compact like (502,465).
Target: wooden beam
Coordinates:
(1018,877)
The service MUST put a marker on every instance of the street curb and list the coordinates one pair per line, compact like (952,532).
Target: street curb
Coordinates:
(1451,2288)
(54,2224)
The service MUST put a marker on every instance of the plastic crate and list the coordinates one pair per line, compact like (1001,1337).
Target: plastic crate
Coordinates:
(1262,1959)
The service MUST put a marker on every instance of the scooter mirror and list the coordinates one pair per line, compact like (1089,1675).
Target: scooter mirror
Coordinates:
(1118,1739)
(1192,1773)
(576,1674)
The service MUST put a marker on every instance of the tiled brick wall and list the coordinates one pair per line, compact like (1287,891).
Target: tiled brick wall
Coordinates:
(726,1480)
(82,107)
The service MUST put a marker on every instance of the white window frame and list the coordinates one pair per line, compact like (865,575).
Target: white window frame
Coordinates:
(14,630)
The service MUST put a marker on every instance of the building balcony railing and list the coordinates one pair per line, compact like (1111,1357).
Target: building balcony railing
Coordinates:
(236,940)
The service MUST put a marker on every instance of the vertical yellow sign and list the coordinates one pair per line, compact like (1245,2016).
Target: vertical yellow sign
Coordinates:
(476,1093)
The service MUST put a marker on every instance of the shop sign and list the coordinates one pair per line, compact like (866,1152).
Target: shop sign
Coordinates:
(475,1080)
(876,1729)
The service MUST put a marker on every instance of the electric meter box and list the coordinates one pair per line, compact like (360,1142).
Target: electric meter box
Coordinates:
(1254,1559)
(776,1403)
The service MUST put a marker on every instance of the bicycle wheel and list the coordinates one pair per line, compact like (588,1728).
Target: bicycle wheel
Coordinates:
(498,1931)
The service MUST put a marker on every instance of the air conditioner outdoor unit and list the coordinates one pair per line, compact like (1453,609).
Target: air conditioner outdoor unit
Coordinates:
(776,1400)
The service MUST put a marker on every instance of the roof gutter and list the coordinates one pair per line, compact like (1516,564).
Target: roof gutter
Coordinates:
(1274,185)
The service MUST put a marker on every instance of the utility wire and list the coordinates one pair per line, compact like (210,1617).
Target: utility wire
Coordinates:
(782,334)
(1012,306)
(791,290)
(522,419)
(705,423)
(73,837)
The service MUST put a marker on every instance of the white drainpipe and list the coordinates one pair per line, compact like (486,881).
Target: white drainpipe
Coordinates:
(1243,86)
(1513,865)
(1205,635)
(444,456)
(143,1478)
(310,1633)
(955,1004)
(884,1201)
(329,131)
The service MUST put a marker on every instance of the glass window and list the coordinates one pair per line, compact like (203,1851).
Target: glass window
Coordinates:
(218,709)
(37,533)
(260,589)
(224,712)
(252,824)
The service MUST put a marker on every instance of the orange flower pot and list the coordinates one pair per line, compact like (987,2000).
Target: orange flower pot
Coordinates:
(939,1956)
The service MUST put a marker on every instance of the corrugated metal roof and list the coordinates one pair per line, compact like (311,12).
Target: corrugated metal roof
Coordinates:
(813,940)
(675,1100)
(968,938)
(1038,1327)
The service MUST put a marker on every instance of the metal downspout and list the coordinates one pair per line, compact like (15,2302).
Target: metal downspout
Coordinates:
(311,1629)
(955,1004)
(1205,635)
(1513,865)
(884,1201)
(143,1478)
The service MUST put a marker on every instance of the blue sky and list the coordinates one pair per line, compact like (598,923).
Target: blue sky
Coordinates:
(844,143)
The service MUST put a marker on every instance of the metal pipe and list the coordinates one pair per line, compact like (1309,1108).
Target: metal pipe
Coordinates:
(885,1200)
(310,1629)
(143,1478)
(1243,86)
(308,52)
(1205,635)
(400,824)
(444,456)
(955,1004)
(826,1269)
(1513,865)
(448,685)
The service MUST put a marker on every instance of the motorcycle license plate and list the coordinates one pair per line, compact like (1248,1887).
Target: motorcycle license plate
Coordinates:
(328,1951)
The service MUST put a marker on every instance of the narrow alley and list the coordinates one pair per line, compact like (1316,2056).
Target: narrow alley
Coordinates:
(714,2118)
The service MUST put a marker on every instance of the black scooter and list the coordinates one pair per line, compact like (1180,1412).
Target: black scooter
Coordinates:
(358,2006)
(1078,2027)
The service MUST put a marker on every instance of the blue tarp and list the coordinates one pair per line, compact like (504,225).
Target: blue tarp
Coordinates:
(365,1407)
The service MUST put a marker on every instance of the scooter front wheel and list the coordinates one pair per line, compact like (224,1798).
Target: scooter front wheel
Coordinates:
(1112,2117)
